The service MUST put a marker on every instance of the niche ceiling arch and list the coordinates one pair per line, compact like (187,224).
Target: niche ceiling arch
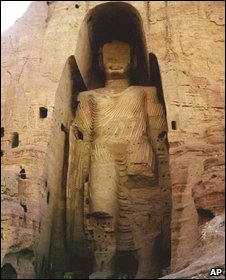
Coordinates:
(104,23)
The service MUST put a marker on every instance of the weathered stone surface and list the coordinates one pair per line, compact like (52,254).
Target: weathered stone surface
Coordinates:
(197,185)
(188,39)
(210,252)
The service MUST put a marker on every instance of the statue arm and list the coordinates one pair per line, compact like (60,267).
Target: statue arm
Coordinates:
(78,169)
(156,120)
(80,139)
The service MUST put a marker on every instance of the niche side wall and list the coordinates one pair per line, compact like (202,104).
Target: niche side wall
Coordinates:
(62,116)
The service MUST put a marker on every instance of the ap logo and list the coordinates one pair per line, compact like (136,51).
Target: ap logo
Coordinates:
(217,271)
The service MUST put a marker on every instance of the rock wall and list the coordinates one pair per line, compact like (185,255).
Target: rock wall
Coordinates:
(188,39)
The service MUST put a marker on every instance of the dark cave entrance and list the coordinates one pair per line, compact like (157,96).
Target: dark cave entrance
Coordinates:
(205,215)
(8,272)
(81,267)
(126,264)
(15,140)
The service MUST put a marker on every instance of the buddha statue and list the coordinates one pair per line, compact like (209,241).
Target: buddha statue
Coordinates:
(115,135)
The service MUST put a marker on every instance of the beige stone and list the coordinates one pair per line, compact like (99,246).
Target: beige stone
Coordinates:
(116,150)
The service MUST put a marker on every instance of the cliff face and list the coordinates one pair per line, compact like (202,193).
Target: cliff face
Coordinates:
(187,37)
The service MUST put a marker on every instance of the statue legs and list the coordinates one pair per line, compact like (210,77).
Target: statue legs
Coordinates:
(101,235)
(147,257)
(103,211)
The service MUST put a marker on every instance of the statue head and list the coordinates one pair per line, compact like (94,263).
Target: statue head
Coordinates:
(116,59)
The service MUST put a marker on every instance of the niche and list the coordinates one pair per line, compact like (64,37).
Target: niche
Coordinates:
(48,197)
(2,131)
(62,127)
(205,215)
(24,207)
(80,135)
(126,264)
(104,23)
(15,140)
(174,125)
(43,112)
(8,272)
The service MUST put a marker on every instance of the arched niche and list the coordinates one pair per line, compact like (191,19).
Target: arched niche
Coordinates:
(104,23)
(8,272)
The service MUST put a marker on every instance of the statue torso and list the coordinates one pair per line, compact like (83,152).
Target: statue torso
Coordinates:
(118,122)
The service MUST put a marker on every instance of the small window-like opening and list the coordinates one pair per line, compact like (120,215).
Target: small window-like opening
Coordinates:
(15,141)
(24,206)
(2,131)
(77,6)
(2,153)
(162,135)
(205,215)
(62,127)
(22,173)
(174,125)
(46,184)
(80,135)
(48,196)
(43,112)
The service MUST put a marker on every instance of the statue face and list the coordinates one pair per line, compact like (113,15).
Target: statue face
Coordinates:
(116,59)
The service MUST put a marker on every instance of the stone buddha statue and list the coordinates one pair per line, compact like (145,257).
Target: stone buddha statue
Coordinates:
(115,143)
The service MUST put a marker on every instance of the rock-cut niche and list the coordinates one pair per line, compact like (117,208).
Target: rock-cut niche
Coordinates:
(8,272)
(118,191)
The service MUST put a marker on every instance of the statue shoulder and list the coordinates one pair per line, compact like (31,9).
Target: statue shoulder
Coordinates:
(84,95)
(91,92)
(149,90)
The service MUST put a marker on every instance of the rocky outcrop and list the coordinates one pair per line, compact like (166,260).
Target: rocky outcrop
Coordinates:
(197,173)
(187,37)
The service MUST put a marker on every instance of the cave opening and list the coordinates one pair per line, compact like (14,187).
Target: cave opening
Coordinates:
(80,135)
(8,272)
(205,215)
(174,125)
(48,197)
(80,267)
(24,207)
(43,112)
(15,140)
(126,264)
